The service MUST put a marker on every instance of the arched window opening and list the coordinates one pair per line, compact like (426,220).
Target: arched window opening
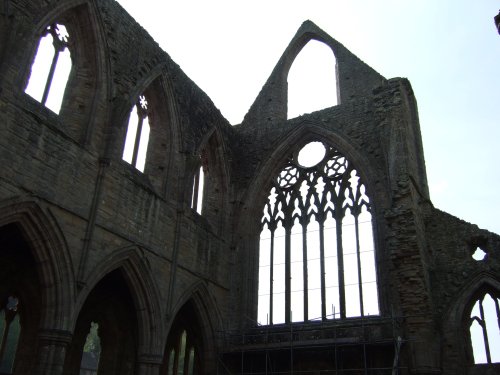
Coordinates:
(198,185)
(137,139)
(51,68)
(312,80)
(317,257)
(181,360)
(10,329)
(484,329)
(91,351)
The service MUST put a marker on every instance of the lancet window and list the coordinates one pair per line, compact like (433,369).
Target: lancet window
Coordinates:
(51,68)
(137,139)
(181,358)
(198,185)
(317,257)
(484,328)
(10,329)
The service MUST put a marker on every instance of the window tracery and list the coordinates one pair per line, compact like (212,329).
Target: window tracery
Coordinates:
(484,329)
(137,139)
(51,67)
(316,245)
(10,329)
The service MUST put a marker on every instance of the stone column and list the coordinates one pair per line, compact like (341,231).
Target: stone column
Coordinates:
(149,364)
(52,346)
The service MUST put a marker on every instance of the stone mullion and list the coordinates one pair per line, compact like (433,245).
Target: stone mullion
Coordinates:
(50,77)
(358,258)
(305,273)
(339,213)
(485,332)
(271,274)
(196,184)
(288,209)
(356,210)
(288,308)
(322,265)
(138,140)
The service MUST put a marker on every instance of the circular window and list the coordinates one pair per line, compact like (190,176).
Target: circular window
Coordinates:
(311,154)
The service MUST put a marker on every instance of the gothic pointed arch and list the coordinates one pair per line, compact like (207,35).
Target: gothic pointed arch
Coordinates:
(108,313)
(352,254)
(36,284)
(271,103)
(312,80)
(195,316)
(307,131)
(50,251)
(148,137)
(209,182)
(134,268)
(86,88)
(468,310)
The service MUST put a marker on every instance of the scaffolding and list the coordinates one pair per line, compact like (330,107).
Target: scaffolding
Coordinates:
(366,337)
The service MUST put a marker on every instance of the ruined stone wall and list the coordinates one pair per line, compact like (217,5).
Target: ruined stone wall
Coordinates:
(93,222)
(109,215)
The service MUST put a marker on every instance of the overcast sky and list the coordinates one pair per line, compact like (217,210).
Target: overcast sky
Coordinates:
(449,50)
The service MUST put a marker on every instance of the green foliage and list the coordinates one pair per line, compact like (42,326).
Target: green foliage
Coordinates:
(93,342)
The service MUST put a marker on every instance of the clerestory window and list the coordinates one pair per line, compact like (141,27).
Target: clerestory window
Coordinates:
(10,329)
(51,68)
(137,139)
(317,257)
(484,329)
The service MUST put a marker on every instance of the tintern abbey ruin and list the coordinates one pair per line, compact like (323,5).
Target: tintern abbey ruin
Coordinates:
(142,233)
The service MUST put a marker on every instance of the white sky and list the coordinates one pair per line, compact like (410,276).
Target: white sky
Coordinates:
(449,50)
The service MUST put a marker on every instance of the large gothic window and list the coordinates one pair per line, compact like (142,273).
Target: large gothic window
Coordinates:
(317,257)
(484,328)
(51,68)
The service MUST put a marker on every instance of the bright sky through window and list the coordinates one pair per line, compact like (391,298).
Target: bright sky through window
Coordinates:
(312,84)
(51,68)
